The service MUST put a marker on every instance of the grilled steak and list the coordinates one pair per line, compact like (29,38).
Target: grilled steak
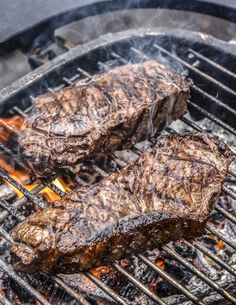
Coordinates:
(166,194)
(101,114)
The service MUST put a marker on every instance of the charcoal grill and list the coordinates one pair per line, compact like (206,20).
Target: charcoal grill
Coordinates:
(210,63)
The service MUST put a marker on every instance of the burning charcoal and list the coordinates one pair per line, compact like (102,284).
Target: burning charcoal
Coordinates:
(11,223)
(7,192)
(165,289)
(203,263)
(184,249)
(177,270)
(19,293)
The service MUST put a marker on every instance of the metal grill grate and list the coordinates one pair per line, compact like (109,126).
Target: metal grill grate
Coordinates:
(133,53)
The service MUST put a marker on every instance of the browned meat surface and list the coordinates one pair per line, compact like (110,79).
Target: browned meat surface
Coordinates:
(101,114)
(166,194)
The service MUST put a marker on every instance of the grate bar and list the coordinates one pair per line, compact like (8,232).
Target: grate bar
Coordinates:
(53,187)
(18,161)
(201,275)
(229,192)
(100,171)
(213,99)
(105,66)
(213,63)
(67,81)
(106,289)
(232,172)
(191,124)
(225,213)
(27,194)
(11,210)
(215,258)
(20,202)
(6,235)
(196,70)
(83,72)
(121,163)
(140,285)
(194,87)
(12,274)
(171,280)
(13,156)
(56,279)
(79,180)
(212,118)
(20,112)
(4,301)
(204,112)
(70,291)
(101,285)
(117,56)
(140,53)
(228,241)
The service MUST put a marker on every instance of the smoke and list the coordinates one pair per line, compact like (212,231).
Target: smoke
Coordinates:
(146,18)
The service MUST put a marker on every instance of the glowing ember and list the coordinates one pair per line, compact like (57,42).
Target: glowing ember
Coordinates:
(100,270)
(160,263)
(220,244)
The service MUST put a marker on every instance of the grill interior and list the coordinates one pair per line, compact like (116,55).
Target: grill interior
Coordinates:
(212,107)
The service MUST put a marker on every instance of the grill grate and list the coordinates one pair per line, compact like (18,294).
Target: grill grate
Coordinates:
(12,209)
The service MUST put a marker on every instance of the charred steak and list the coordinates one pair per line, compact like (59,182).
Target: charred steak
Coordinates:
(101,114)
(166,194)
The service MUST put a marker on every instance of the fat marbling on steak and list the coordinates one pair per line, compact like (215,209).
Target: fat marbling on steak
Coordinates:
(166,194)
(100,114)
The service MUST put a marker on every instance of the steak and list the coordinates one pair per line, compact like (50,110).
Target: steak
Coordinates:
(166,194)
(101,114)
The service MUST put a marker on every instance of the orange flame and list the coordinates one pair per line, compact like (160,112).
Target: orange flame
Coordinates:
(9,126)
(13,125)
(50,195)
(23,178)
